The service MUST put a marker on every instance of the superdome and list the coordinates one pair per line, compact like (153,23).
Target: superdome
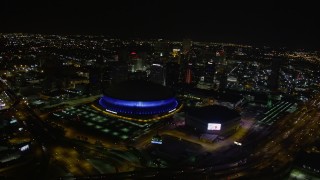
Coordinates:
(138,90)
(138,98)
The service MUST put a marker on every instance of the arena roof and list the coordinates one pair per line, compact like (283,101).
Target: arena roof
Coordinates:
(138,90)
(215,113)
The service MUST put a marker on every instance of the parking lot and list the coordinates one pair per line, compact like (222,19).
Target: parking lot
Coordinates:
(94,121)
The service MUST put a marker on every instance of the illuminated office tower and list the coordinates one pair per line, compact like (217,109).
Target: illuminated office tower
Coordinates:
(188,79)
(209,72)
(136,63)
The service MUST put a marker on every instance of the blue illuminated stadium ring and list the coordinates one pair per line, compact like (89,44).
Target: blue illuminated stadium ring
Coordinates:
(138,107)
(142,104)
(138,98)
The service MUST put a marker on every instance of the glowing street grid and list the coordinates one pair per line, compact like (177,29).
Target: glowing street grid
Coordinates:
(117,129)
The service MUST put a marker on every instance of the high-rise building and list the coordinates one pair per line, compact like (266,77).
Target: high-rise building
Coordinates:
(209,72)
(139,65)
(114,72)
(171,74)
(186,45)
(136,63)
(189,74)
(162,49)
(96,75)
(157,74)
(118,71)
(123,55)
(207,76)
(176,55)
(221,56)
(273,80)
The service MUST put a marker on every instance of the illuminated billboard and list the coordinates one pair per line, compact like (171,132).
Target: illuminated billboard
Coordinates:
(214,126)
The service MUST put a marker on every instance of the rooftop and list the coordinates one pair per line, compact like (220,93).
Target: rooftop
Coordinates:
(138,90)
(215,113)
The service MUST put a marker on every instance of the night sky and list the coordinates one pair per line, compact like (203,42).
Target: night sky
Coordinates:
(293,24)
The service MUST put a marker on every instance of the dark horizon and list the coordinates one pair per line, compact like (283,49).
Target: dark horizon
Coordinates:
(266,23)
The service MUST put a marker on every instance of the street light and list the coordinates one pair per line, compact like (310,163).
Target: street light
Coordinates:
(237,143)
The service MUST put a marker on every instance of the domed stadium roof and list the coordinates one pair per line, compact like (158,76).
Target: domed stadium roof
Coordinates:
(136,97)
(138,90)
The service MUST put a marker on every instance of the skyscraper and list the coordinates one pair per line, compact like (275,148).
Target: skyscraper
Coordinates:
(209,72)
(189,74)
(123,55)
(186,45)
(273,80)
(118,71)
(115,72)
(162,49)
(157,74)
(171,74)
(136,62)
(221,55)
